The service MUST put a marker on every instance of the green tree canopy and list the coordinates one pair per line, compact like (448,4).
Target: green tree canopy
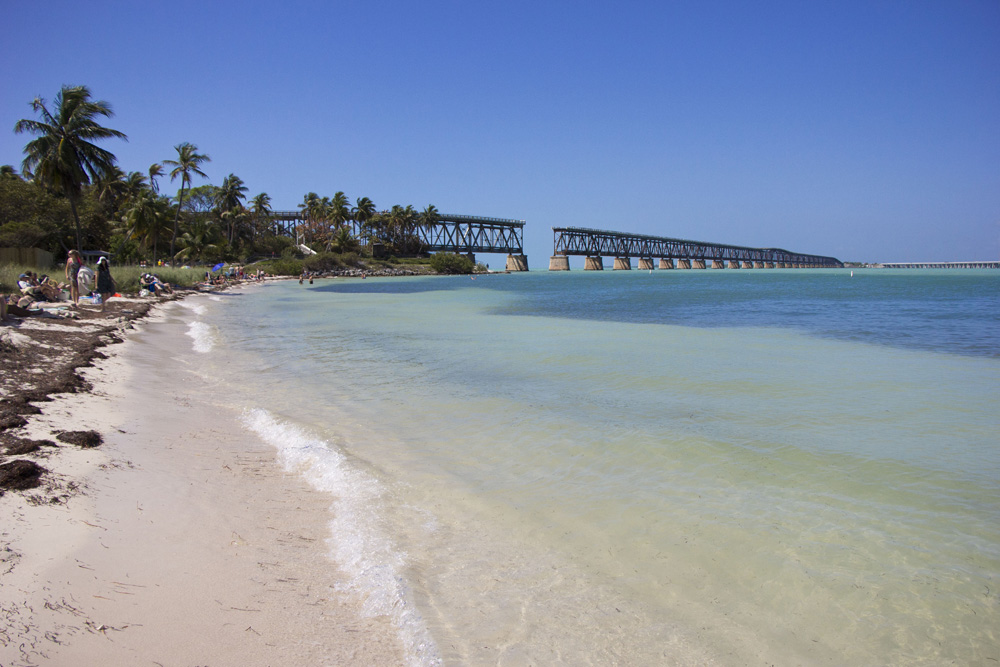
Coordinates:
(63,156)
(188,163)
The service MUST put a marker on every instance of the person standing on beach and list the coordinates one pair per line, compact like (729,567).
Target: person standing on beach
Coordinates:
(73,265)
(105,283)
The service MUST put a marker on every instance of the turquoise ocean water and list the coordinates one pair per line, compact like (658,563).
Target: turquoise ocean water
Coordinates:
(677,467)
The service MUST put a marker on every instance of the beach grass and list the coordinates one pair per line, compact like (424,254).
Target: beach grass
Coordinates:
(126,277)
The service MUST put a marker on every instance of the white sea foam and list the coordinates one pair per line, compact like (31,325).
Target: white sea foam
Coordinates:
(561,469)
(360,546)
(198,308)
(203,335)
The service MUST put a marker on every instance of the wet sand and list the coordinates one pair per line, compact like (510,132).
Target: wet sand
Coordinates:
(178,541)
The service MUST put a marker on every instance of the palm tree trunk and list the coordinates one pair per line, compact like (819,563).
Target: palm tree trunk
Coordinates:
(76,219)
(173,237)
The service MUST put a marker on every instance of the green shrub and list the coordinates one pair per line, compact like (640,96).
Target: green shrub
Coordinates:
(273,245)
(331,261)
(449,262)
(351,260)
(324,261)
(282,267)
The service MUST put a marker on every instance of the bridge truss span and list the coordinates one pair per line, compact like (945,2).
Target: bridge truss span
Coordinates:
(471,234)
(463,234)
(596,243)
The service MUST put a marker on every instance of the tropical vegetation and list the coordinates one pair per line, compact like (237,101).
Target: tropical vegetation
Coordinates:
(71,193)
(63,156)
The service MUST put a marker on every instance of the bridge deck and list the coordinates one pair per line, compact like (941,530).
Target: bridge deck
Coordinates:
(940,265)
(602,243)
(452,232)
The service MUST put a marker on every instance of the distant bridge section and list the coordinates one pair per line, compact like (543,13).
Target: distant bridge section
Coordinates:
(595,244)
(462,234)
(940,265)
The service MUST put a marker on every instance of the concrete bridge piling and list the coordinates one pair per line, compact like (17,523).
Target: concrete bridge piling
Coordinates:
(517,262)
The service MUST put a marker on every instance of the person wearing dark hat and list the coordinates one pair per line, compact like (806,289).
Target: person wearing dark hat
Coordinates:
(105,283)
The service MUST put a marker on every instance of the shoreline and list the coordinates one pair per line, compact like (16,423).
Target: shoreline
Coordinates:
(179,539)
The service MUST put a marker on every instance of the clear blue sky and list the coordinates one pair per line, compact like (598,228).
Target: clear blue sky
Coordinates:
(868,130)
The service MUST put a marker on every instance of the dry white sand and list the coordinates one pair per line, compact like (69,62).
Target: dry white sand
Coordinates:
(186,543)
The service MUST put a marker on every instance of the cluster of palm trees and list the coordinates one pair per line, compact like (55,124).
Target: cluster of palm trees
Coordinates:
(144,215)
(341,227)
(219,221)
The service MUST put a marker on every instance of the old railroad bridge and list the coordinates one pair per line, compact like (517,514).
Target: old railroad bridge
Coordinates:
(595,244)
(462,234)
(468,234)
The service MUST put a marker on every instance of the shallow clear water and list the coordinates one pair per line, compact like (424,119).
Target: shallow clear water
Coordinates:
(683,467)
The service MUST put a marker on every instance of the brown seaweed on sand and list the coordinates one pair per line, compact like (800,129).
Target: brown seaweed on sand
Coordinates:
(84,439)
(20,475)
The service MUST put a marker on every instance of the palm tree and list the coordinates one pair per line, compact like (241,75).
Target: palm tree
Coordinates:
(62,156)
(187,163)
(231,194)
(340,209)
(342,241)
(314,209)
(145,218)
(229,200)
(135,184)
(236,220)
(429,216)
(155,171)
(118,190)
(260,207)
(199,240)
(111,187)
(362,214)
(338,212)
(7,171)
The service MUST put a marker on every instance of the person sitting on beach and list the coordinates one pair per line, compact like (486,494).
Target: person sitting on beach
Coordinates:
(28,285)
(30,289)
(50,288)
(38,289)
(163,285)
(150,284)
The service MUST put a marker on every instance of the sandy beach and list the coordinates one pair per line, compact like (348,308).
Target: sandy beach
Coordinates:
(179,540)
